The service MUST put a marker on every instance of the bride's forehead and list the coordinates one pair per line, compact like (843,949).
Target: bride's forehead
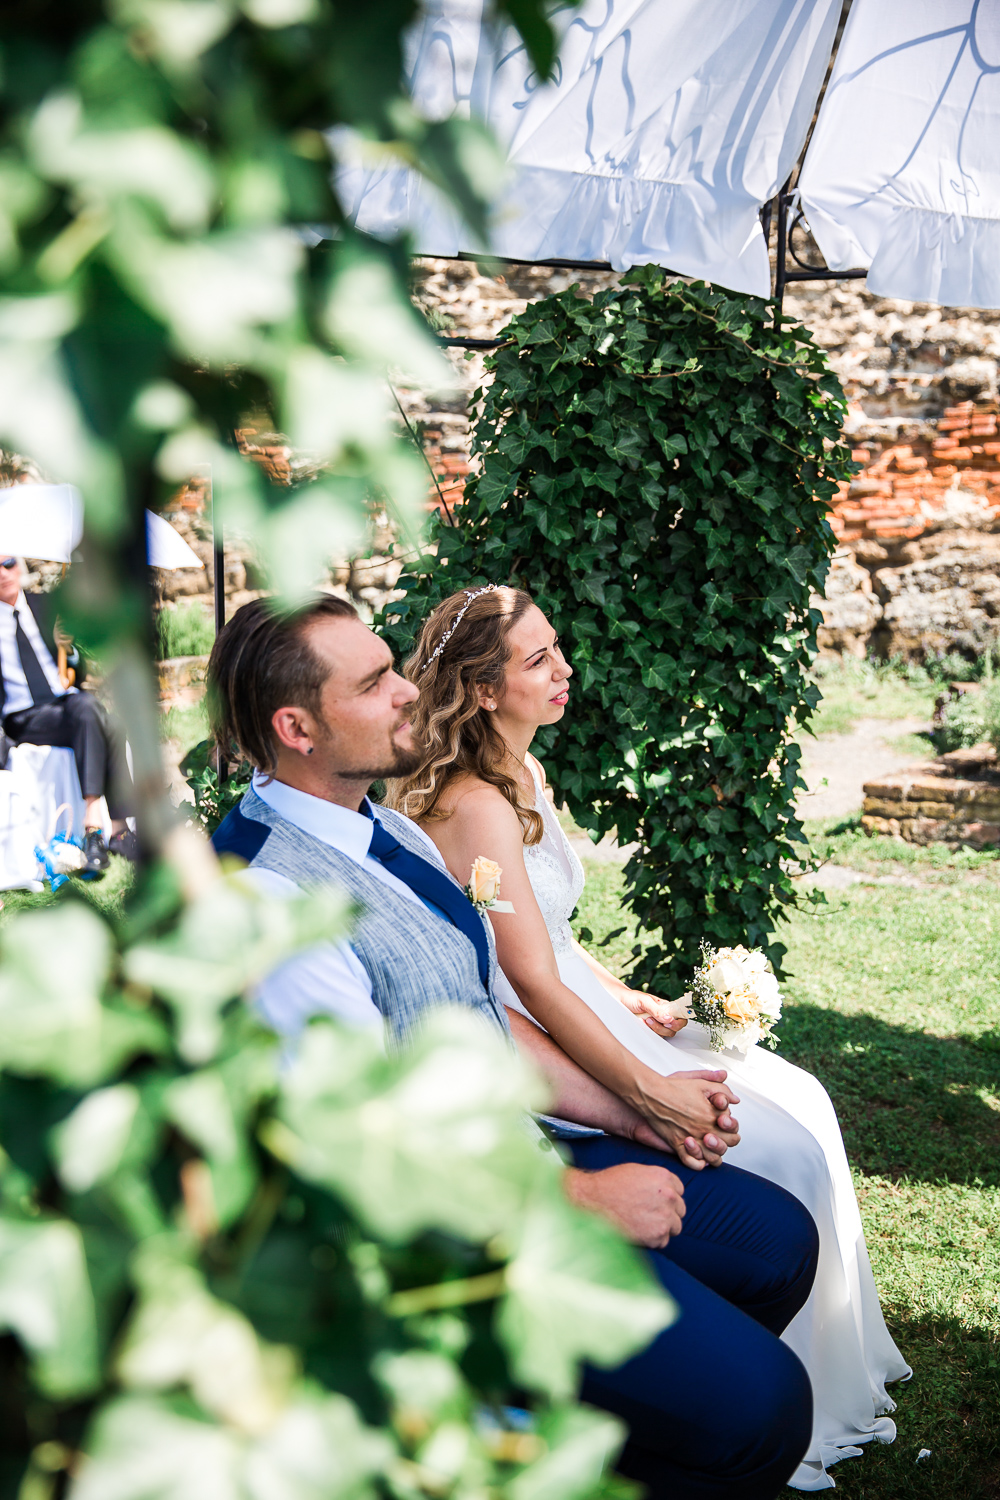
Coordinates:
(532,632)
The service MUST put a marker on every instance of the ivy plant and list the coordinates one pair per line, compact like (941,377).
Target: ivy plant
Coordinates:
(228,1273)
(655,466)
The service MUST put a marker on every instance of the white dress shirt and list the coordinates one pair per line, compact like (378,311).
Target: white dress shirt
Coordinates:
(17,694)
(328,979)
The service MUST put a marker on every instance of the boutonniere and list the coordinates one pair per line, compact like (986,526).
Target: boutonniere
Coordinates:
(483,889)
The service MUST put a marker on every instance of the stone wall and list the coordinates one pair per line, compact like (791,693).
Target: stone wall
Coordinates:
(917,567)
(918,564)
(953,800)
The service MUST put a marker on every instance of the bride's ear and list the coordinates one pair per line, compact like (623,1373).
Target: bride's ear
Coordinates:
(487,698)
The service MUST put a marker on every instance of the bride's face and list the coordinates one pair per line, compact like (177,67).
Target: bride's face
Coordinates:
(536,685)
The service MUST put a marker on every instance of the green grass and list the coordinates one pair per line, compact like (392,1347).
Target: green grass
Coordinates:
(844,843)
(107,895)
(187,725)
(186,630)
(893,1000)
(854,690)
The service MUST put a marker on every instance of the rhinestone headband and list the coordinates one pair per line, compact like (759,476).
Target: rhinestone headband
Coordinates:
(470,594)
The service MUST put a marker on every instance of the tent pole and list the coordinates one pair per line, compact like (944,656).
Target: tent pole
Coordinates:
(219,569)
(219,588)
(780,275)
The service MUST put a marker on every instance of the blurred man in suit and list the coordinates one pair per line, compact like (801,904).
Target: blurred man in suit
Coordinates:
(37,708)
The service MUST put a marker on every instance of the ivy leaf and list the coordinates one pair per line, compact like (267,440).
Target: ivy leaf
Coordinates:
(46,1300)
(225,942)
(52,1021)
(582,1444)
(90,1144)
(576,1291)
(433,1139)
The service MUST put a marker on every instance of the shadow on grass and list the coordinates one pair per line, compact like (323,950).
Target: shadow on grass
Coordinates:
(951,1406)
(909,1104)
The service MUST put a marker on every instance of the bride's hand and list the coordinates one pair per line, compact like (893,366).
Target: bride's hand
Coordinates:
(656,1013)
(691,1112)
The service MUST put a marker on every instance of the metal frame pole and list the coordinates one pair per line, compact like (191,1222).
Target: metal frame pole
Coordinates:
(780,273)
(219,591)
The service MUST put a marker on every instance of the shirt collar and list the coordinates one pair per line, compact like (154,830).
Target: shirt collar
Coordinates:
(336,826)
(20,604)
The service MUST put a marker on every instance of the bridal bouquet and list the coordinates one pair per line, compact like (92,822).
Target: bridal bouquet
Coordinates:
(736,995)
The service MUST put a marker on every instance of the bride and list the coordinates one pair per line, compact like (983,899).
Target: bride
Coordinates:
(491,673)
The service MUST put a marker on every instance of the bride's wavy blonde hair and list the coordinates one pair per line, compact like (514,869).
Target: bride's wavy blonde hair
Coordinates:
(453,659)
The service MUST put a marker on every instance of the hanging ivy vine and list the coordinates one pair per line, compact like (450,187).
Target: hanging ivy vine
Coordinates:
(655,468)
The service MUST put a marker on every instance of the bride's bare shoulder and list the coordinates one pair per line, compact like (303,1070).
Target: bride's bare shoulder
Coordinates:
(468,799)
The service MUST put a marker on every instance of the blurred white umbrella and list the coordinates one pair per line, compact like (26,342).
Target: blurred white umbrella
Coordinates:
(41,520)
(166,548)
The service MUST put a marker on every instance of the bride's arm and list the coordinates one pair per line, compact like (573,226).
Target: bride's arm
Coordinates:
(575,1095)
(689,1113)
(649,1008)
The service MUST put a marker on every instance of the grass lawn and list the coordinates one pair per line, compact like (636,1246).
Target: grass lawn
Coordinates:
(855,690)
(107,894)
(185,726)
(893,1000)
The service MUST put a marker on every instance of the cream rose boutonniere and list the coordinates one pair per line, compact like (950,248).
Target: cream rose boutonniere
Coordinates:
(483,889)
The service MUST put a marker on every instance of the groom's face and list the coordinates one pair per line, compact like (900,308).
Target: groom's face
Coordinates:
(364,732)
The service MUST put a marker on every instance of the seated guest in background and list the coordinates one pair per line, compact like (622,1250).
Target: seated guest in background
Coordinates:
(717,1407)
(38,709)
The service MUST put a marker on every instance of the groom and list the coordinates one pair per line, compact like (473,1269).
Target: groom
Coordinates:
(717,1407)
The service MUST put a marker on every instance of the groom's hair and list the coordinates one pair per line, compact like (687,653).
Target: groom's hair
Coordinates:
(262,661)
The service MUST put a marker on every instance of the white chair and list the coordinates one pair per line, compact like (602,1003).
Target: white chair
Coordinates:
(38,780)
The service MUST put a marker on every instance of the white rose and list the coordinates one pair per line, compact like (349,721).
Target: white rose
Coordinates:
(726,975)
(484,881)
(768,993)
(756,962)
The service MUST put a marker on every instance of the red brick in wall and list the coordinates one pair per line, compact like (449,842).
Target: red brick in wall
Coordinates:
(903,485)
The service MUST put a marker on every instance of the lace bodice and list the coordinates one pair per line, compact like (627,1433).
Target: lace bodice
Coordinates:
(555,873)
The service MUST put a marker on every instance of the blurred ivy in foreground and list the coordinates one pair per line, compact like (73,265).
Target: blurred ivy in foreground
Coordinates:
(235,1275)
(164,166)
(225,1272)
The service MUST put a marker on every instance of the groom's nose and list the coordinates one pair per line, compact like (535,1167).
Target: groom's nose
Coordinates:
(403,691)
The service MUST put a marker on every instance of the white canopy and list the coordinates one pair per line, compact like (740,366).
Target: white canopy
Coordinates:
(903,171)
(45,521)
(40,520)
(668,124)
(166,548)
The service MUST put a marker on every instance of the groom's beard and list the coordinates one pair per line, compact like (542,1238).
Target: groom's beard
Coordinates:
(395,761)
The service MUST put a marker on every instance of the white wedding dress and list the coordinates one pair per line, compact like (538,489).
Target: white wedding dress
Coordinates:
(790,1135)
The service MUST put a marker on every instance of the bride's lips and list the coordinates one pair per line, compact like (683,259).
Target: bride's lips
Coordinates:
(561,698)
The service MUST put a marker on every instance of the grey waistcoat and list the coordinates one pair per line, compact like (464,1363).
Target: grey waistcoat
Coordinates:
(414,958)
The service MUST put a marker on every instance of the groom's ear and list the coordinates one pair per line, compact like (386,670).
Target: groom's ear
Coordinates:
(293,729)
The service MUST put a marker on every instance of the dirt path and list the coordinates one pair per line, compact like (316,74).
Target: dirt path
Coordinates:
(846,761)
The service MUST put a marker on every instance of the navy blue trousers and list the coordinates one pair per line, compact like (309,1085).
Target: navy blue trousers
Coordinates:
(717,1407)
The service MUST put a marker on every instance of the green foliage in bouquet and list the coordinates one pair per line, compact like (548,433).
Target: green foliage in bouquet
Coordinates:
(223,1273)
(655,468)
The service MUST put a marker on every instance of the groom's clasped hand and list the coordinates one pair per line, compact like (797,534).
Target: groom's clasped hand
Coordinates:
(690,1112)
